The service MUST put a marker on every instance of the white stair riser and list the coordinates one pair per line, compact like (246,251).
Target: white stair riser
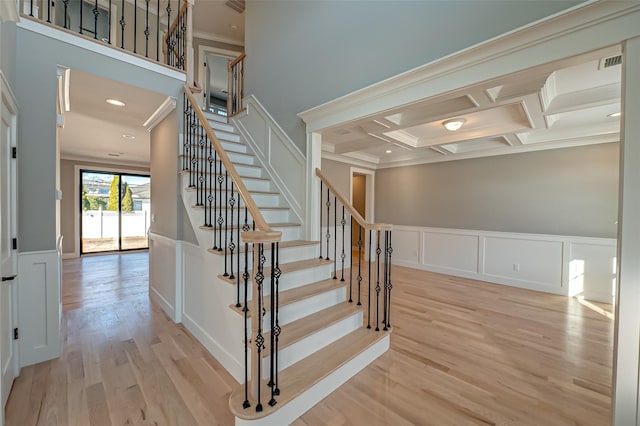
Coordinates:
(223,127)
(249,171)
(310,344)
(267,200)
(288,254)
(289,280)
(215,117)
(238,159)
(310,305)
(233,147)
(228,136)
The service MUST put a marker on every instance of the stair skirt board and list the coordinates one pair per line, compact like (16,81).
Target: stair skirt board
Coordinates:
(295,408)
(306,346)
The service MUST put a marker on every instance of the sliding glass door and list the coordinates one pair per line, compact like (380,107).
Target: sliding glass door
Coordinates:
(115,211)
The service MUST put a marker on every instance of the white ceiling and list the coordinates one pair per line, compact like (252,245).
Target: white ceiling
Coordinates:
(553,106)
(213,20)
(93,129)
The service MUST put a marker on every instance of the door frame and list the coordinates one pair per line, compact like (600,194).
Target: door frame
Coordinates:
(202,52)
(76,197)
(369,208)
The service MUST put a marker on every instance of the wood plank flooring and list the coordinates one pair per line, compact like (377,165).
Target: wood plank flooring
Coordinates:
(462,353)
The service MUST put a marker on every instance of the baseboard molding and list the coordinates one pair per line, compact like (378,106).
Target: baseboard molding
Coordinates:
(66,256)
(163,303)
(215,349)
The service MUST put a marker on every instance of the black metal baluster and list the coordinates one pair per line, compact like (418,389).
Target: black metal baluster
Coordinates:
(378,251)
(194,150)
(369,292)
(359,261)
(158,32)
(335,238)
(277,330)
(81,1)
(245,310)
(389,285)
(259,338)
(109,24)
(216,175)
(96,13)
(342,255)
(123,23)
(31,13)
(168,41)
(210,185)
(328,226)
(385,277)
(350,259)
(135,26)
(238,239)
(232,245)
(226,221)
(66,5)
(272,336)
(320,257)
(220,207)
(201,160)
(146,31)
(49,11)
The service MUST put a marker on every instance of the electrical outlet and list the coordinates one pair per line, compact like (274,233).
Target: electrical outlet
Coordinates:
(516,267)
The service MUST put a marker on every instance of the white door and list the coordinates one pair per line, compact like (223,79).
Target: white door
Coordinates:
(8,263)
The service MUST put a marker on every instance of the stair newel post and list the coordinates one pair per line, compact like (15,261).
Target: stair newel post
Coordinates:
(190,65)
(342,255)
(320,215)
(232,245)
(378,252)
(335,238)
(272,327)
(359,262)
(369,279)
(226,221)
(328,236)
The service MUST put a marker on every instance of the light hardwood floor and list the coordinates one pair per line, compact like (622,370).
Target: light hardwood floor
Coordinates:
(462,352)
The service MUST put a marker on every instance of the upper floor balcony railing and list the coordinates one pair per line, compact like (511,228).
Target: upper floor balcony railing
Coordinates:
(159,30)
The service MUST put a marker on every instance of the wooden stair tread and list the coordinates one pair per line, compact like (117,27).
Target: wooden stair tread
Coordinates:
(249,154)
(306,326)
(301,376)
(251,191)
(286,268)
(298,293)
(236,207)
(273,225)
(257,166)
(184,172)
(267,247)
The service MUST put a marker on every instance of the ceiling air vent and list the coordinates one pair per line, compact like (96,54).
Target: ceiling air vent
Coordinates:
(237,5)
(610,61)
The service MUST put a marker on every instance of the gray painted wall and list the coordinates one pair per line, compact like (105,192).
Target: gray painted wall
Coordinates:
(8,52)
(167,208)
(70,194)
(571,191)
(36,92)
(304,53)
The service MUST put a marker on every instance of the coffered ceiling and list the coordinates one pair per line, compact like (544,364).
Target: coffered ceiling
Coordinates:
(557,105)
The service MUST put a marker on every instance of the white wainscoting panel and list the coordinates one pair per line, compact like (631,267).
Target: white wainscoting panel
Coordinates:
(163,280)
(457,252)
(556,264)
(281,158)
(592,270)
(529,263)
(39,306)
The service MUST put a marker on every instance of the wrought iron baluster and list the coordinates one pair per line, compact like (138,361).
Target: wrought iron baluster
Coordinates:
(31,13)
(158,31)
(328,236)
(277,330)
(123,23)
(335,237)
(217,169)
(96,13)
(146,31)
(168,41)
(342,255)
(81,1)
(109,24)
(49,11)
(359,261)
(385,277)
(135,26)
(201,156)
(272,336)
(378,251)
(66,5)
(369,279)
(194,149)
(238,240)
(350,259)
(220,207)
(245,310)
(210,186)
(226,221)
(232,245)
(259,338)
(389,285)
(320,257)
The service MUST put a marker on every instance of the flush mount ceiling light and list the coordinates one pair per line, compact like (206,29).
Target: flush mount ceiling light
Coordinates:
(454,124)
(614,114)
(130,137)
(388,151)
(115,102)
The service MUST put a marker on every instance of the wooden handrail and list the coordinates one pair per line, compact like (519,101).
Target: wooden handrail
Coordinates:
(176,21)
(261,224)
(354,213)
(235,61)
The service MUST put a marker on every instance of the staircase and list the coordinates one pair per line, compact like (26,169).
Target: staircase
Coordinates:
(324,339)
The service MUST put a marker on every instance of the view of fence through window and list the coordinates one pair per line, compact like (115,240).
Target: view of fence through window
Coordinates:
(115,209)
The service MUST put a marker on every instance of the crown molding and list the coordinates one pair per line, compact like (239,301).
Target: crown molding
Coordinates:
(160,113)
(220,39)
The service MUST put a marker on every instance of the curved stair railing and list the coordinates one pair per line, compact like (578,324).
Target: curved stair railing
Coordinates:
(378,271)
(231,214)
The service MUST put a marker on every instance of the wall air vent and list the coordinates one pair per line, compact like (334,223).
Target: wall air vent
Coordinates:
(237,5)
(610,61)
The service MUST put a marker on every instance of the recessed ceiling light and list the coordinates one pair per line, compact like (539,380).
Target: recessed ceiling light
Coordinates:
(614,114)
(454,124)
(130,137)
(115,102)
(388,151)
